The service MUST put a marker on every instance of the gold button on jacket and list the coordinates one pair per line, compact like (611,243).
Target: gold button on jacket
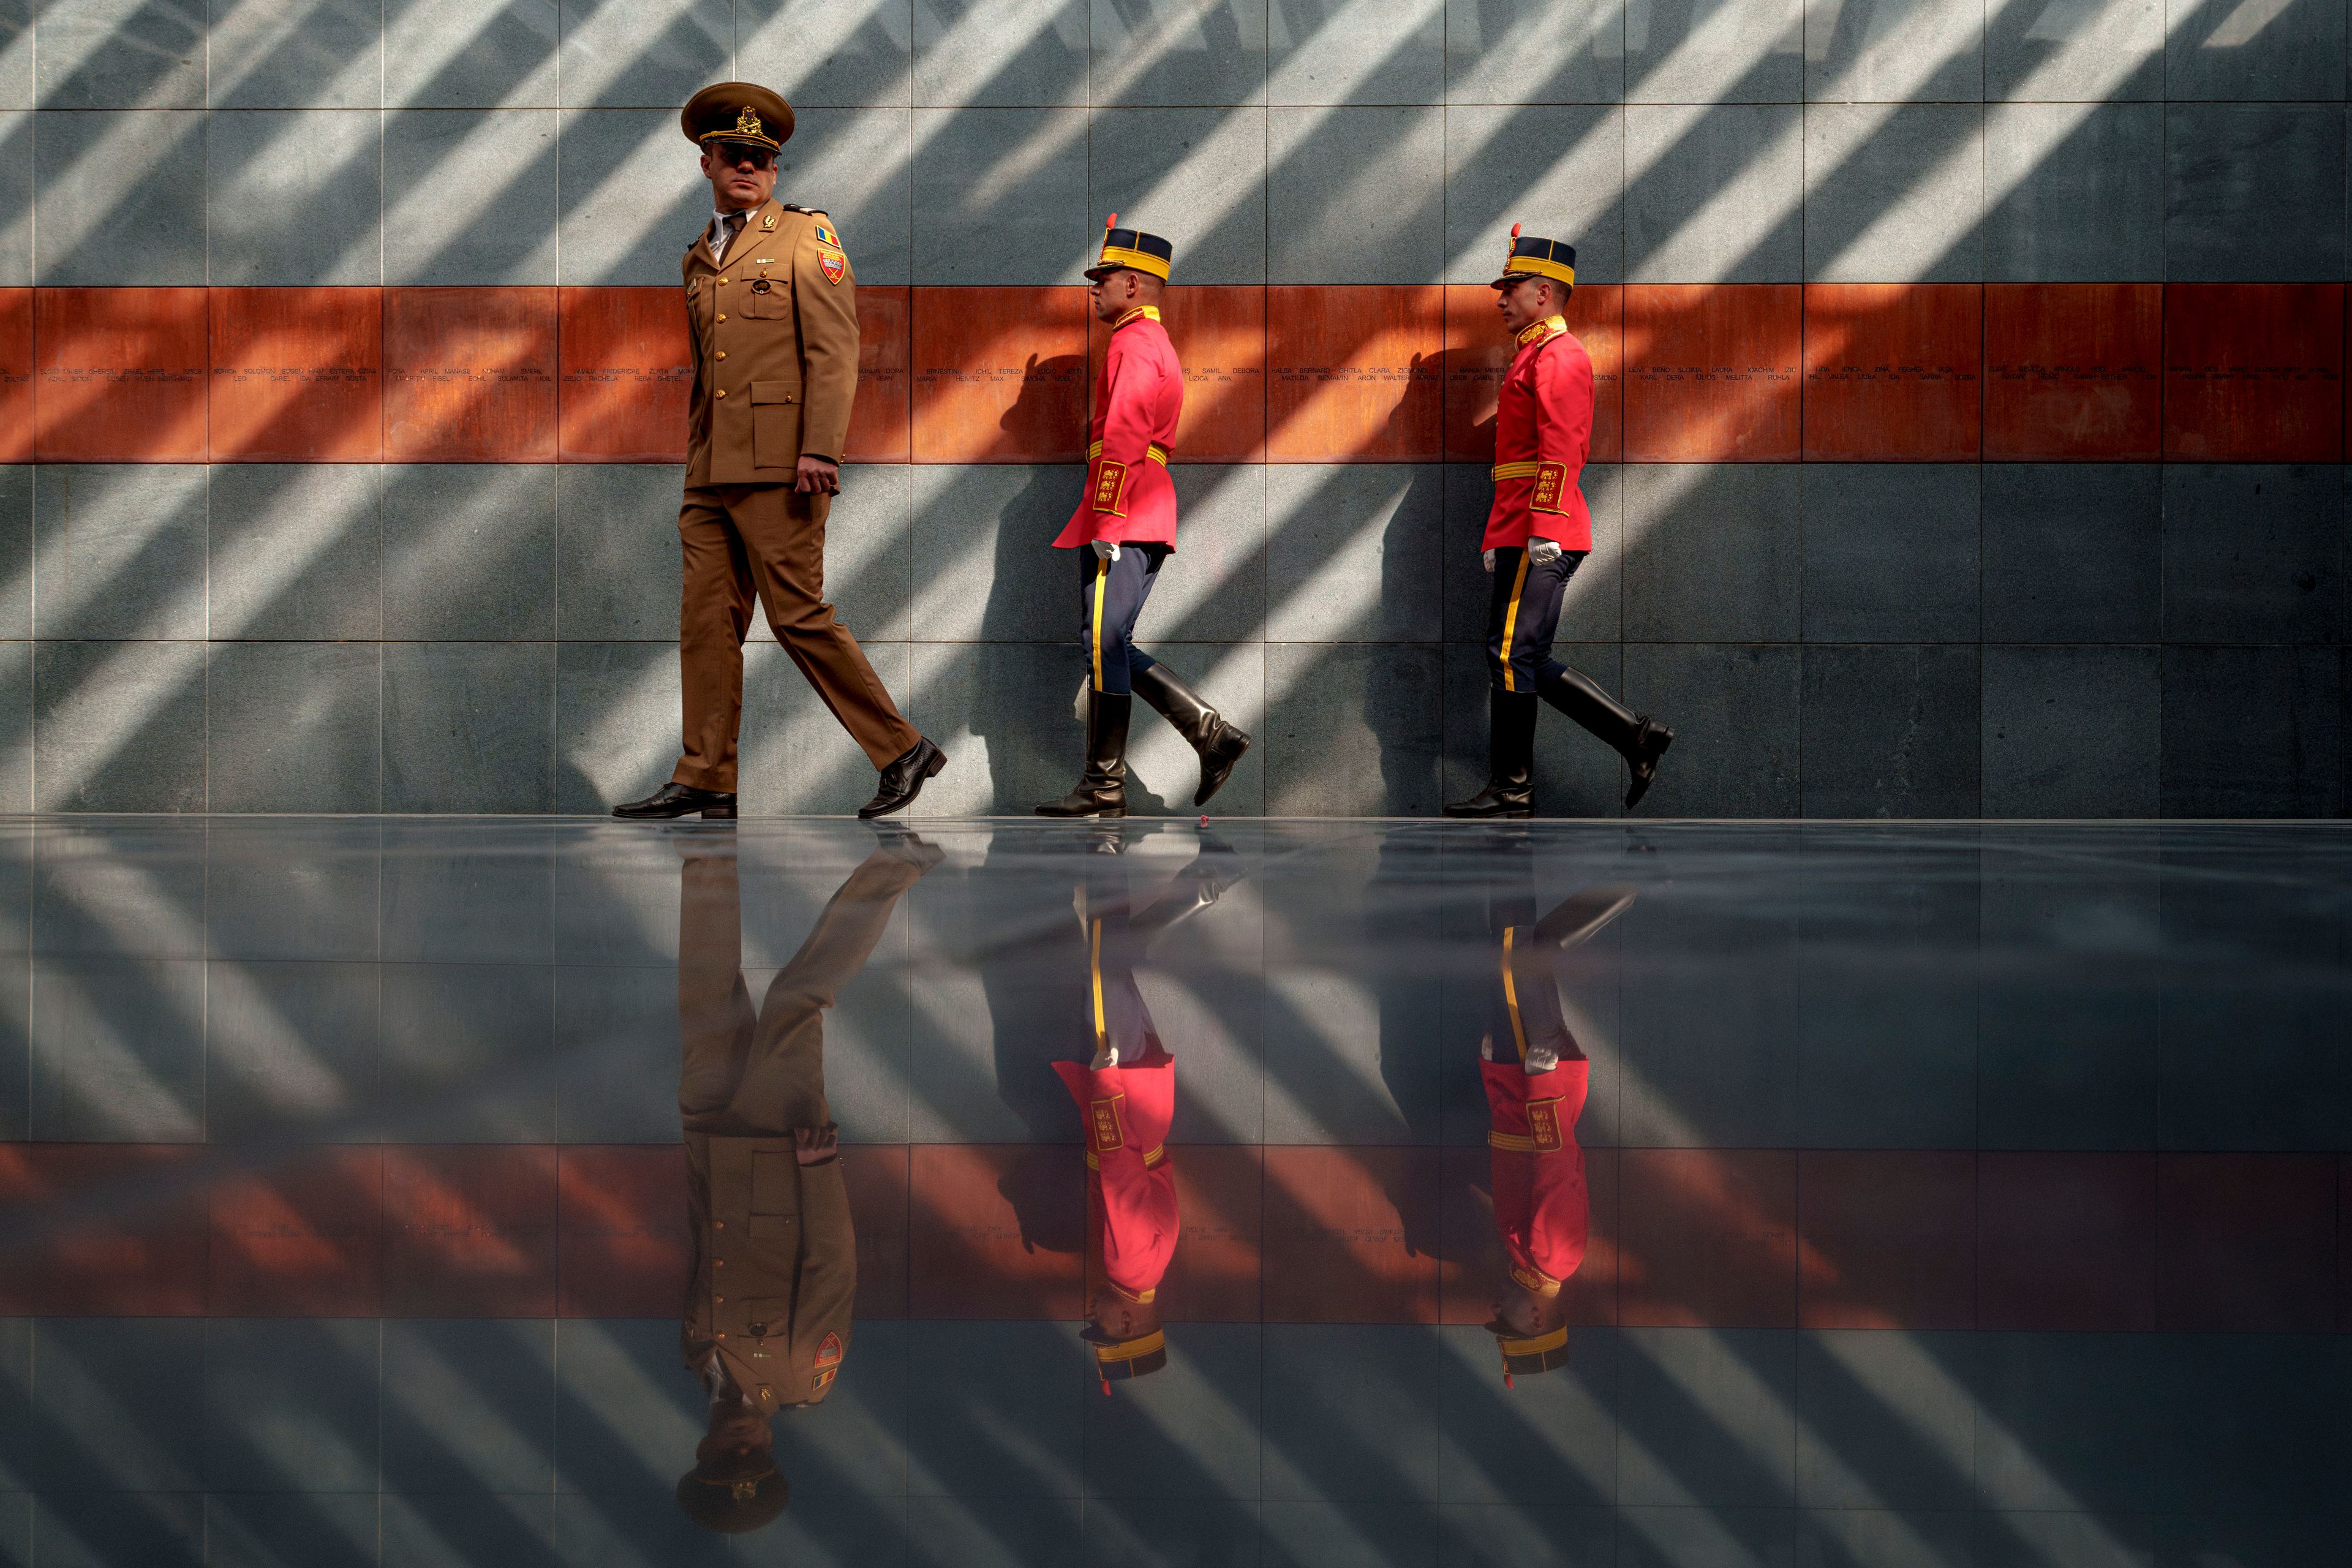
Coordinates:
(789,336)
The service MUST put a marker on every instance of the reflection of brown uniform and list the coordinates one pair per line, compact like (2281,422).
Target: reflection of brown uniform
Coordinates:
(775,1258)
(774,338)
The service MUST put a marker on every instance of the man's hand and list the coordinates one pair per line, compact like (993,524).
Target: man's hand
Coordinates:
(1489,557)
(815,1145)
(1106,548)
(818,476)
(1543,551)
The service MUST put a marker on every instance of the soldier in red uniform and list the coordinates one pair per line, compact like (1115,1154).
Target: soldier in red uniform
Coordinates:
(1125,529)
(1537,532)
(1534,1092)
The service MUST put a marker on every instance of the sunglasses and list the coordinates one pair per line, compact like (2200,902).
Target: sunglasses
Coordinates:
(737,153)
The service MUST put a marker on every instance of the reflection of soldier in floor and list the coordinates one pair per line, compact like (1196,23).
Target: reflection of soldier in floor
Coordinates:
(774,1268)
(1125,1093)
(1535,1074)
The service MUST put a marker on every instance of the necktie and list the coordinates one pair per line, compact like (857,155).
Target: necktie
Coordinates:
(727,231)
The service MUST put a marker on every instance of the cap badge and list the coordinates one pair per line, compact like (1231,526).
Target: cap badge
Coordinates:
(748,123)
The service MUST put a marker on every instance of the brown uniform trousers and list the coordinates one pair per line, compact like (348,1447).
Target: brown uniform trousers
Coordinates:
(775,1272)
(773,331)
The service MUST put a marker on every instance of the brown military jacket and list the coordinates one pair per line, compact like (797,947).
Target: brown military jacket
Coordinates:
(774,337)
(775,1267)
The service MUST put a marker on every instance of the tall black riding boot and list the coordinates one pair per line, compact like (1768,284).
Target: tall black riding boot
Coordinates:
(1631,735)
(1511,748)
(1102,788)
(1219,744)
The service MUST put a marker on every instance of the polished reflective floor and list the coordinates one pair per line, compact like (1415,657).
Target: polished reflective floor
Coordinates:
(415,1191)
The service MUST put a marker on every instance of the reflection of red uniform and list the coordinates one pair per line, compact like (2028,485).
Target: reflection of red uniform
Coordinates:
(1540,1205)
(1128,1110)
(1129,497)
(1543,428)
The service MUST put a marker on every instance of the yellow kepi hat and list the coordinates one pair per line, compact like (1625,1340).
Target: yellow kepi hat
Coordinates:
(1132,248)
(1541,1353)
(1137,1357)
(733,1493)
(1534,257)
(736,112)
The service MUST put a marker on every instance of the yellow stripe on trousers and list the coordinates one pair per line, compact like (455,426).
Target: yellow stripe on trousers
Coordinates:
(1511,995)
(1511,627)
(1102,582)
(1094,974)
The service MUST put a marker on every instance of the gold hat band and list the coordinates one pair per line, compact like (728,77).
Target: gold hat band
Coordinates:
(1140,260)
(1541,266)
(1539,1345)
(1157,1340)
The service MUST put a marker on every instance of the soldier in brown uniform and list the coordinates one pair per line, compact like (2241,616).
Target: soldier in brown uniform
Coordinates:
(771,311)
(774,1271)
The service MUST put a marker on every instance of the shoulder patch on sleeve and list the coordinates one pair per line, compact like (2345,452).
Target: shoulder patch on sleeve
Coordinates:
(825,233)
(833,264)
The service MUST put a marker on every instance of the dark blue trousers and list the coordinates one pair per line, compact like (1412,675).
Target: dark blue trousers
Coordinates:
(1111,594)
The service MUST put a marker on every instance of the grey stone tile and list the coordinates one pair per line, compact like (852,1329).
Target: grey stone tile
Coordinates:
(1734,710)
(118,889)
(331,1529)
(16,490)
(1353,552)
(1593,608)
(2217,49)
(627,216)
(89,1530)
(17,73)
(15,1126)
(1707,1416)
(468,1406)
(1030,226)
(1192,1433)
(1355,54)
(985,535)
(1576,775)
(120,53)
(1187,1530)
(1474,1533)
(2107,50)
(1389,1400)
(1891,552)
(2251,732)
(1214,588)
(294,727)
(151,175)
(118,1047)
(1174,52)
(1002,712)
(15,726)
(1560,171)
(795,756)
(1714,196)
(295,54)
(1884,1417)
(854,165)
(1484,1457)
(1353,731)
(870,566)
(1536,51)
(1884,1063)
(629,1365)
(291,890)
(120,549)
(2267,1410)
(2071,552)
(1009,52)
(617,722)
(469,1052)
(125,1388)
(649,54)
(820,52)
(1698,52)
(618,1058)
(618,568)
(16,198)
(292,197)
(1194,177)
(1891,731)
(2067,1421)
(2253,193)
(118,726)
(2070,732)
(446,902)
(2074,192)
(433,1529)
(469,552)
(1355,195)
(965,1379)
(16,1525)
(1894,51)
(296,552)
(469,196)
(1323,1533)
(1894,197)
(290,1406)
(2253,553)
(461,54)
(468,727)
(290,1052)
(1711,551)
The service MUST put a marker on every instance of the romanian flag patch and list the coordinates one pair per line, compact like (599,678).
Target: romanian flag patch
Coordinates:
(1551,481)
(824,234)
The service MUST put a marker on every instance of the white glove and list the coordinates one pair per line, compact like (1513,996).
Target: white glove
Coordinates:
(1489,557)
(1107,547)
(1543,551)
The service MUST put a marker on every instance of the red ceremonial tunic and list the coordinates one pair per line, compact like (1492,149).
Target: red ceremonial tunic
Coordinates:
(1127,1111)
(1543,426)
(1540,1205)
(1129,498)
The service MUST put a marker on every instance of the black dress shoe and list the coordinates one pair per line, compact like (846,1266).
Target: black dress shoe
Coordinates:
(679,800)
(902,781)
